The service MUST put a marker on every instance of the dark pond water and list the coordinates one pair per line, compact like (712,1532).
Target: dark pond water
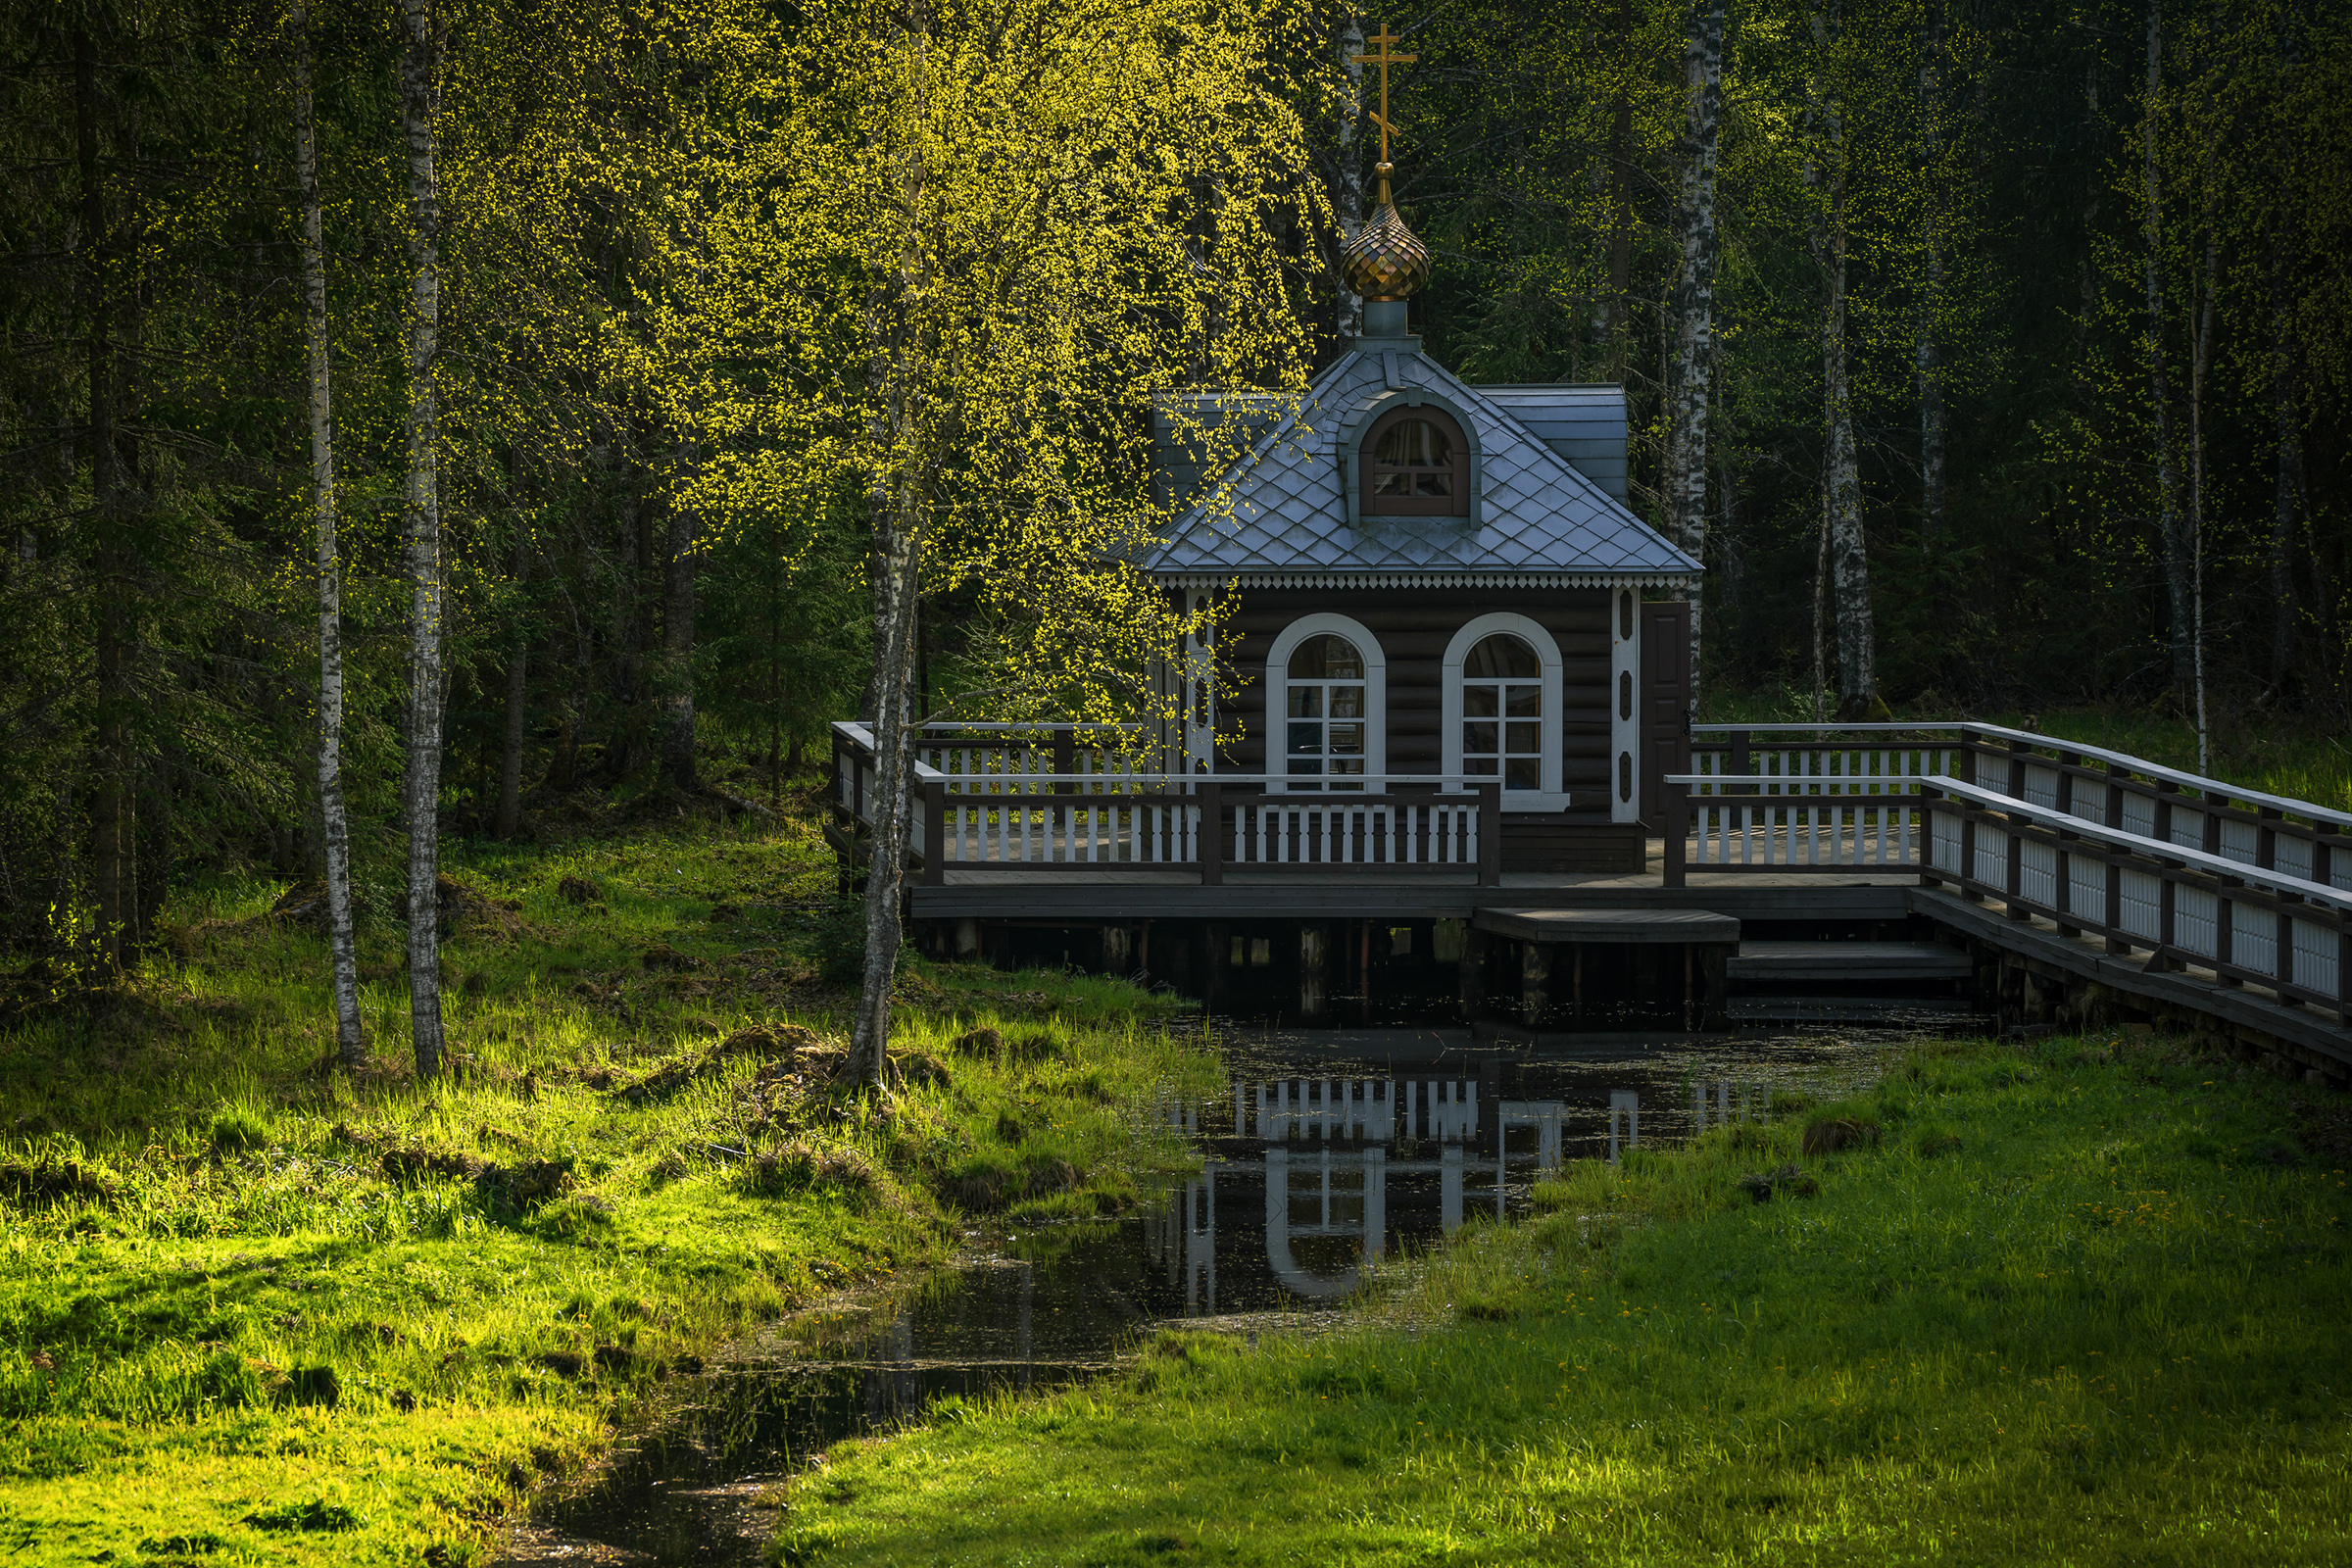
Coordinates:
(1325,1149)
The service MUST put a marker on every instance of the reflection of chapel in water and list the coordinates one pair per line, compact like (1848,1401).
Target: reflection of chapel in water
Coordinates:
(1344,1165)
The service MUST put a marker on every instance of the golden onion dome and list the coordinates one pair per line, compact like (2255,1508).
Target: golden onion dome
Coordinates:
(1386,261)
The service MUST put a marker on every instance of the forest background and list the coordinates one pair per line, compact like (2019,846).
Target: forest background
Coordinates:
(2036,314)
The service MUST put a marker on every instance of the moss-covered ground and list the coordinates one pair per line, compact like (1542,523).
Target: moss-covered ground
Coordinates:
(2083,1303)
(260,1311)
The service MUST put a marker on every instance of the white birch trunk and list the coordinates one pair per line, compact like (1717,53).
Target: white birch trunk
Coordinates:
(2179,574)
(1692,366)
(1349,194)
(420,106)
(1849,559)
(334,822)
(899,501)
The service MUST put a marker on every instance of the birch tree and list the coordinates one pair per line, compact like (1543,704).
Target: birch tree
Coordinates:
(421,788)
(1020,222)
(2179,571)
(1693,359)
(334,822)
(1845,556)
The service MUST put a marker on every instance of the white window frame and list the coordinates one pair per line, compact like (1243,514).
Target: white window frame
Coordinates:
(1552,797)
(1376,698)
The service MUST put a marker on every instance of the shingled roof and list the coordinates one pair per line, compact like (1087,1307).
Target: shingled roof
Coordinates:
(1279,515)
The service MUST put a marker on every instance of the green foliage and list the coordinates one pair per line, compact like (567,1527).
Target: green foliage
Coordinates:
(238,1286)
(2062,1339)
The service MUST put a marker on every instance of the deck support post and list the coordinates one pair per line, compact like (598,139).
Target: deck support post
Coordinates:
(1535,982)
(1678,823)
(935,833)
(1469,972)
(1211,846)
(1490,835)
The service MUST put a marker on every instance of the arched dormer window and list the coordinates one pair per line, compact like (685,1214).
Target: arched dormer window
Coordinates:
(1326,704)
(1416,463)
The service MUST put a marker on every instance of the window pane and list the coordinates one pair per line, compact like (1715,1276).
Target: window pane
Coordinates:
(1477,739)
(1346,740)
(1392,484)
(1523,773)
(1413,443)
(1305,767)
(1347,702)
(1479,767)
(1525,737)
(1307,738)
(1327,658)
(1433,484)
(1306,702)
(1524,702)
(1478,702)
(1499,657)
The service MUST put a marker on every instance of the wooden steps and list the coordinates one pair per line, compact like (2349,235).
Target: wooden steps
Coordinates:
(1848,962)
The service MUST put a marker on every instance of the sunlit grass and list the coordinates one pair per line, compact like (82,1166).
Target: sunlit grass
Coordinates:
(240,1282)
(2102,1327)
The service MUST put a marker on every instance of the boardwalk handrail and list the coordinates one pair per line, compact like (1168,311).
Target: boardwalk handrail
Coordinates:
(2157,773)
(1086,823)
(2246,923)
(2076,827)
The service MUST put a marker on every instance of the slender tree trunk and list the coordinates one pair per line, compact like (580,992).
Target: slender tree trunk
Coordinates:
(1931,58)
(899,503)
(1821,612)
(1842,477)
(108,761)
(677,647)
(1621,203)
(2200,362)
(1692,367)
(518,705)
(1347,194)
(2285,613)
(2179,571)
(419,108)
(334,822)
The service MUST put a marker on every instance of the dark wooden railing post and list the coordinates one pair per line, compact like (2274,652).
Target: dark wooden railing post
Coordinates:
(2017,753)
(935,832)
(1211,845)
(1678,818)
(1490,835)
(1065,758)
(1741,762)
(1968,758)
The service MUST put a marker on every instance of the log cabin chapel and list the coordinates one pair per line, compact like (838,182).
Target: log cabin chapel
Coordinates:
(1433,580)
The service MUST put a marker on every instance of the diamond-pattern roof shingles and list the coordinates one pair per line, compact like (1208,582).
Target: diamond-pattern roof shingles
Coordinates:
(1286,512)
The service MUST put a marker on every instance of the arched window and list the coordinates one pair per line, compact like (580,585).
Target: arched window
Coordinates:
(1326,687)
(1325,714)
(1502,711)
(1415,464)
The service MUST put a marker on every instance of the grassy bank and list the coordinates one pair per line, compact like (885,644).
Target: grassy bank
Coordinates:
(2078,1305)
(258,1311)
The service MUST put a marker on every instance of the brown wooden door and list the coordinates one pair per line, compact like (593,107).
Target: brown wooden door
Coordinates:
(1665,702)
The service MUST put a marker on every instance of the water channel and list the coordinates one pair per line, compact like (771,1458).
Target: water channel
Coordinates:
(1323,1150)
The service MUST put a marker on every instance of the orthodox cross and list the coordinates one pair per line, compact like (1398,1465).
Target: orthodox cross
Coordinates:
(1384,59)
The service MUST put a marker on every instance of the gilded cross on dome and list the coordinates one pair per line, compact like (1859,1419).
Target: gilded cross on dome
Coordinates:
(1386,261)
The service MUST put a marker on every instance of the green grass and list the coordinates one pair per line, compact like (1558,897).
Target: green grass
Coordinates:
(2280,753)
(2083,1305)
(261,1312)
